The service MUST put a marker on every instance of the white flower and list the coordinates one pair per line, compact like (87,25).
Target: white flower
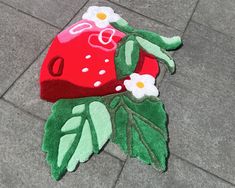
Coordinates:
(102,16)
(141,85)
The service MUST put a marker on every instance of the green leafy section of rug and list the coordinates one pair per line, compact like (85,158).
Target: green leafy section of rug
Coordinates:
(127,53)
(77,128)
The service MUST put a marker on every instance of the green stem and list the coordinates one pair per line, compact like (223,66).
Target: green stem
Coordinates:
(123,26)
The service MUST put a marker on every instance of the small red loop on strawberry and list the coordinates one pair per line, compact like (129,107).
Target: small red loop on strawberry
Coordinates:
(52,64)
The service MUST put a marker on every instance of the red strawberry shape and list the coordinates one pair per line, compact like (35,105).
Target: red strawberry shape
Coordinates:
(80,63)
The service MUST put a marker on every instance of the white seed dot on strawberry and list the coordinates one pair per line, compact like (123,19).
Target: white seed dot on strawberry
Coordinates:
(85,69)
(97,83)
(118,88)
(106,60)
(88,56)
(101,72)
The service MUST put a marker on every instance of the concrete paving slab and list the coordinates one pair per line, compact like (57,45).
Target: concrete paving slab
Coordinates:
(22,38)
(217,14)
(55,12)
(115,150)
(174,13)
(23,163)
(25,92)
(200,101)
(179,175)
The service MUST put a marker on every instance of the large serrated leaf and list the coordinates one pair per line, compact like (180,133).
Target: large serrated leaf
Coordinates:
(75,129)
(140,129)
(127,57)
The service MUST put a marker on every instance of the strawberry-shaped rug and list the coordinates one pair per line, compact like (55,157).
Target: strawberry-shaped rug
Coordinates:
(100,72)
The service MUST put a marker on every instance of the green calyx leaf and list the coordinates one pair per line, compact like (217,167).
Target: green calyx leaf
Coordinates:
(75,129)
(151,42)
(163,42)
(140,129)
(159,53)
(123,26)
(127,57)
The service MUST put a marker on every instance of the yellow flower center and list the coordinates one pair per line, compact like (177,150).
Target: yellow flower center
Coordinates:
(101,15)
(140,84)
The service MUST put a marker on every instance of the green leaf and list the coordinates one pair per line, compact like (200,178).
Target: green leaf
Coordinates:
(163,42)
(114,102)
(151,42)
(127,57)
(122,25)
(158,53)
(75,129)
(140,129)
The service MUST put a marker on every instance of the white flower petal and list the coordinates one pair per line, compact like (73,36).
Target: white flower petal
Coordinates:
(101,24)
(89,15)
(86,15)
(114,18)
(93,15)
(151,90)
(138,93)
(146,78)
(93,9)
(107,10)
(129,85)
(135,76)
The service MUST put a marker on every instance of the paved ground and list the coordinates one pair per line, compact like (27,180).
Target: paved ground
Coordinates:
(200,98)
